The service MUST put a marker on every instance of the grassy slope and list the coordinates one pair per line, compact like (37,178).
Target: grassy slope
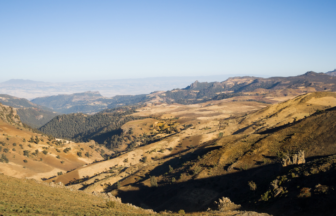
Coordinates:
(28,197)
(202,175)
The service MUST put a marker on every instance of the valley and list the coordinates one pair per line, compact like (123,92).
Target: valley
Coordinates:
(221,156)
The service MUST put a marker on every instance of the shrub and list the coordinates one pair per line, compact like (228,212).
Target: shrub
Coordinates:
(171,169)
(26,153)
(45,152)
(6,150)
(58,157)
(110,204)
(4,159)
(252,185)
(79,154)
(87,154)
(25,161)
(14,144)
(220,135)
(59,173)
(13,149)
(197,170)
(153,181)
(66,150)
(144,159)
(181,211)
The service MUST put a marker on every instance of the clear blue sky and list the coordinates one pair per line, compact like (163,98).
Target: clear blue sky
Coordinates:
(82,40)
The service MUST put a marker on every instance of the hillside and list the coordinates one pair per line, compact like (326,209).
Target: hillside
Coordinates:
(24,153)
(197,92)
(86,102)
(31,114)
(221,153)
(29,197)
(101,127)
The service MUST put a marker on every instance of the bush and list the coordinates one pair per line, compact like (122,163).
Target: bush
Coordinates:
(58,157)
(6,150)
(60,173)
(153,181)
(66,150)
(181,211)
(171,169)
(87,154)
(25,161)
(252,185)
(26,153)
(79,154)
(45,152)
(4,159)
(110,204)
(144,159)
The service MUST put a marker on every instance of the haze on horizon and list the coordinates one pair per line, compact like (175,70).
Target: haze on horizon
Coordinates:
(108,40)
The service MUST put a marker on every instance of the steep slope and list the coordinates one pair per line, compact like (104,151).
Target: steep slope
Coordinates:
(219,156)
(31,114)
(34,155)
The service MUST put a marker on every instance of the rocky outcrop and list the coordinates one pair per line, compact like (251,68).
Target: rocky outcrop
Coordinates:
(298,158)
(225,204)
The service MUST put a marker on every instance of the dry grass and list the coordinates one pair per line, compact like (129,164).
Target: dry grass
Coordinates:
(27,197)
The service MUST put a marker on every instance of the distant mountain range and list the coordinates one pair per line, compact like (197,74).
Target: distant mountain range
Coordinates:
(32,89)
(197,92)
(331,73)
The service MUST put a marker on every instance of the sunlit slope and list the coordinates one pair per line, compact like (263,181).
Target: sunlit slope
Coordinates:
(168,126)
(28,197)
(24,153)
(207,166)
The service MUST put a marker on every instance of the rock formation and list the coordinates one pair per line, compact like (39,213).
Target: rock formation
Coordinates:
(225,204)
(298,158)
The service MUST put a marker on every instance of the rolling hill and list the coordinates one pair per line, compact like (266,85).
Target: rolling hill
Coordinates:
(235,154)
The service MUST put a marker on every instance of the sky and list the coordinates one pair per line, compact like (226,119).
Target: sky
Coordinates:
(70,40)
